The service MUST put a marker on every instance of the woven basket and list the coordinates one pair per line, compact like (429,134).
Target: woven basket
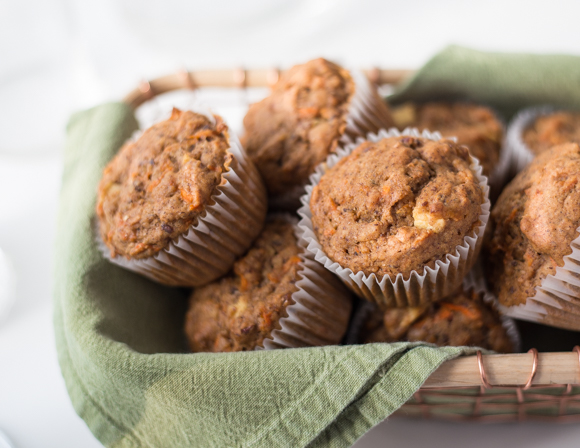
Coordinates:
(484,388)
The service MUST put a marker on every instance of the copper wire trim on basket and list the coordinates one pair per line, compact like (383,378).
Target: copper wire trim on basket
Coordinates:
(466,388)
(495,403)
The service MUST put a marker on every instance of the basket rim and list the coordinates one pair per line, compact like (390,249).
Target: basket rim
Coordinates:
(235,78)
(520,370)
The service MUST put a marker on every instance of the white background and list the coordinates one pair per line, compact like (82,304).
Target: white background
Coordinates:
(61,56)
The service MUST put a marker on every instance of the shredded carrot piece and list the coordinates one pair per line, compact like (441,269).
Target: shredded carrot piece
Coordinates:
(295,259)
(243,283)
(512,215)
(154,183)
(443,314)
(186,195)
(307,112)
(201,134)
(470,314)
(140,247)
(332,204)
(329,232)
(267,317)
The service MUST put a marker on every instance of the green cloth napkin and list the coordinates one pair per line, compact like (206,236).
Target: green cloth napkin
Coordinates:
(505,81)
(122,352)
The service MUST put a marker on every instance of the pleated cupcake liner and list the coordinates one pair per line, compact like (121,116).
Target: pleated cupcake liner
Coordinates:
(367,113)
(472,281)
(433,283)
(520,154)
(223,231)
(321,310)
(557,299)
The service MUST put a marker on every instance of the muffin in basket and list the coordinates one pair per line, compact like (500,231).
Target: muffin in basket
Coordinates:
(475,126)
(532,247)
(398,217)
(462,318)
(537,129)
(552,129)
(310,110)
(183,194)
(273,298)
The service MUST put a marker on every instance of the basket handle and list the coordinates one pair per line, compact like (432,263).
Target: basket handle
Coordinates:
(234,78)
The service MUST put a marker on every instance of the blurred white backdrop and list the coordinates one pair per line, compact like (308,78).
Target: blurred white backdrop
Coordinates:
(58,56)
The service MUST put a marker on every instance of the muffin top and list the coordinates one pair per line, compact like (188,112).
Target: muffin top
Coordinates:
(239,311)
(460,319)
(475,126)
(291,131)
(533,223)
(553,129)
(155,188)
(397,205)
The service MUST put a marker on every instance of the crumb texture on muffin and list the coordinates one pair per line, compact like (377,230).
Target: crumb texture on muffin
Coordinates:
(460,319)
(533,224)
(396,205)
(553,129)
(475,126)
(155,188)
(291,131)
(240,310)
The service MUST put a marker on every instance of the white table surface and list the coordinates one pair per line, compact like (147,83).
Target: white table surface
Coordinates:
(58,56)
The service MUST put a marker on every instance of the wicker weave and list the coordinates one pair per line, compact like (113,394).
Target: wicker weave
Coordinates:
(557,402)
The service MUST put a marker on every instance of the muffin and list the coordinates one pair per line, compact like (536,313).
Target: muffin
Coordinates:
(475,126)
(398,218)
(537,129)
(462,319)
(250,307)
(552,129)
(533,228)
(309,111)
(181,194)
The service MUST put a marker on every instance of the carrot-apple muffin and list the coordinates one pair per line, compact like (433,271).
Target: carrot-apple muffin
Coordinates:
(396,205)
(475,126)
(300,123)
(548,130)
(156,187)
(460,319)
(241,309)
(533,224)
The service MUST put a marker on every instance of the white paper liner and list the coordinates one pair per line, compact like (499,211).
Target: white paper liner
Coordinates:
(223,232)
(557,299)
(473,281)
(367,113)
(500,175)
(434,283)
(321,309)
(520,154)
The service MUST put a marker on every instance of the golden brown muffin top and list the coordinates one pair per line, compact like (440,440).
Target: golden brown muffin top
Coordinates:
(460,319)
(155,188)
(475,126)
(397,205)
(533,223)
(553,129)
(242,309)
(291,131)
